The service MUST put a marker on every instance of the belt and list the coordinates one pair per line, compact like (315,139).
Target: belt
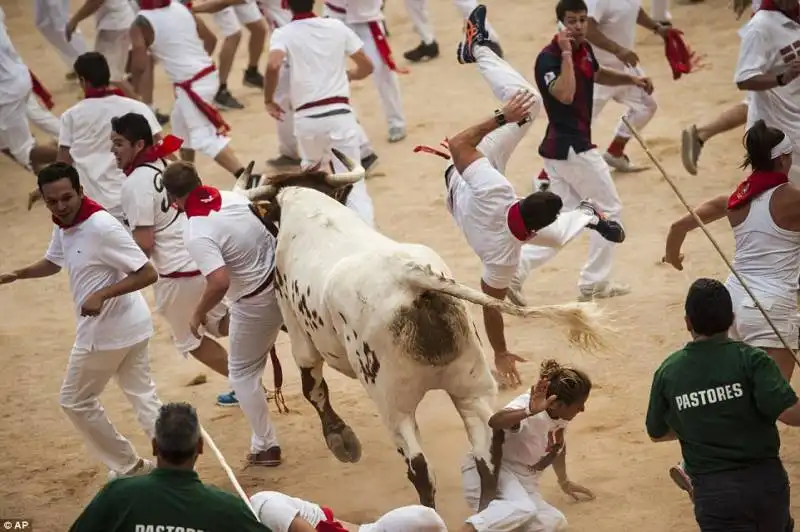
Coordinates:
(324,101)
(335,9)
(263,286)
(180,275)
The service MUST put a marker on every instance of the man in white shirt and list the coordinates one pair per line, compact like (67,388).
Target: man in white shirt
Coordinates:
(157,227)
(16,86)
(85,138)
(52,17)
(612,31)
(106,272)
(236,254)
(168,30)
(365,18)
(113,19)
(317,50)
(769,67)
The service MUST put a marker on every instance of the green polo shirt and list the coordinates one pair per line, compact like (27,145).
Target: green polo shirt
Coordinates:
(722,399)
(166,500)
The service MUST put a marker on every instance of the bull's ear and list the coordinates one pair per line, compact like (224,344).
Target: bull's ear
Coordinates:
(244,179)
(345,160)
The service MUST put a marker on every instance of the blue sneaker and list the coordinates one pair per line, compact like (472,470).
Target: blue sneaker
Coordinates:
(227,399)
(475,33)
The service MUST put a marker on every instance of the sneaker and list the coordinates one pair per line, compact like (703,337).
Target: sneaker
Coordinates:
(608,229)
(142,467)
(475,33)
(681,479)
(253,78)
(369,163)
(691,146)
(225,100)
(396,134)
(515,293)
(284,162)
(227,399)
(621,163)
(603,291)
(423,52)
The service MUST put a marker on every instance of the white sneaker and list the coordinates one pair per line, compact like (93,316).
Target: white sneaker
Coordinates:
(622,163)
(603,291)
(143,467)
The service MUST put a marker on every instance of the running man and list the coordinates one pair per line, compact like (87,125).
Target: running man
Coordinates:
(51,18)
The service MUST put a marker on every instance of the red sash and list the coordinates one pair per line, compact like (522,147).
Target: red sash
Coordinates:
(42,93)
(383,47)
(207,109)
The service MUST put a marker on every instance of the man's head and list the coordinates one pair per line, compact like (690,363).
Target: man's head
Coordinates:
(92,70)
(178,442)
(767,149)
(179,179)
(573,14)
(130,134)
(301,6)
(540,209)
(61,190)
(709,309)
(570,386)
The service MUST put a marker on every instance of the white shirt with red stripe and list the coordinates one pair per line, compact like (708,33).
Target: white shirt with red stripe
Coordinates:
(145,204)
(362,11)
(317,50)
(15,81)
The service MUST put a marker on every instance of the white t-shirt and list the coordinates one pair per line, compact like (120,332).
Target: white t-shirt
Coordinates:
(145,204)
(232,237)
(360,11)
(114,15)
(481,198)
(535,439)
(616,19)
(770,42)
(15,80)
(86,130)
(317,50)
(97,253)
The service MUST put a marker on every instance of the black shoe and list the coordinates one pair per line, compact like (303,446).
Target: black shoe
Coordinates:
(608,229)
(253,78)
(225,100)
(163,119)
(423,52)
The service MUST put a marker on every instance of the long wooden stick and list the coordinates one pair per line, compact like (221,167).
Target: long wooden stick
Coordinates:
(224,463)
(702,226)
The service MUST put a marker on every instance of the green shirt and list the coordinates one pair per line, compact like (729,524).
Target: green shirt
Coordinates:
(166,500)
(721,398)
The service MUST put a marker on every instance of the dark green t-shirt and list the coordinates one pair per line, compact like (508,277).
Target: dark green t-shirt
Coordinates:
(721,398)
(166,500)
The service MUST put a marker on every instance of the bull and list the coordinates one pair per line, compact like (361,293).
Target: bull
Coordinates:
(388,314)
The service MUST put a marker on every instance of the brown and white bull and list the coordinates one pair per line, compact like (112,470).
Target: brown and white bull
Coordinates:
(386,313)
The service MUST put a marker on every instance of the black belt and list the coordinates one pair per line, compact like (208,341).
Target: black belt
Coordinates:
(263,286)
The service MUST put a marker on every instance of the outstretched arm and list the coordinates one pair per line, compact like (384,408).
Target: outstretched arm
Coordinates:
(710,211)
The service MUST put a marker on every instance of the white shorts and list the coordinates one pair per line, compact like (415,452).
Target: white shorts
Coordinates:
(114,45)
(231,19)
(190,124)
(176,300)
(750,326)
(15,131)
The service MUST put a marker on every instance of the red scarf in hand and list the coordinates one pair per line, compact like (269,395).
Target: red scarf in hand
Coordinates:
(755,184)
(517,225)
(88,208)
(682,60)
(102,92)
(793,13)
(580,57)
(201,201)
(168,145)
(42,93)
(153,4)
(329,524)
(301,16)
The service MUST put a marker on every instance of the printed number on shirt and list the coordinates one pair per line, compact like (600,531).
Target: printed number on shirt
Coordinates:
(549,77)
(159,186)
(790,54)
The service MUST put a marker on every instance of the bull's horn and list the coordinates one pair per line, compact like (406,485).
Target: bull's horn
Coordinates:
(241,183)
(260,192)
(355,172)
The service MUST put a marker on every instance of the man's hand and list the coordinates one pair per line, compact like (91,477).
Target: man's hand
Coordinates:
(564,40)
(539,401)
(573,490)
(8,278)
(33,197)
(91,305)
(194,325)
(506,365)
(628,57)
(643,83)
(70,29)
(519,106)
(791,74)
(275,111)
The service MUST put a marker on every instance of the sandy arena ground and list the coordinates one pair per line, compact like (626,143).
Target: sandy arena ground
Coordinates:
(47,473)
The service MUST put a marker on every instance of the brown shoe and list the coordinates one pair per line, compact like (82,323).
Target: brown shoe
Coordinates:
(269,458)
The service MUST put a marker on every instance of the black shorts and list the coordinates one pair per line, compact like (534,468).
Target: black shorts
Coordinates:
(752,499)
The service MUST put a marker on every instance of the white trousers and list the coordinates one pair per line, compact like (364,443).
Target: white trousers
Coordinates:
(114,45)
(316,137)
(276,15)
(418,13)
(88,372)
(519,506)
(254,326)
(43,118)
(659,10)
(190,124)
(51,20)
(641,106)
(580,176)
(231,19)
(15,131)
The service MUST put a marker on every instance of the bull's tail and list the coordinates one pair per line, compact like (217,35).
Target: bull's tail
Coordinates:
(582,320)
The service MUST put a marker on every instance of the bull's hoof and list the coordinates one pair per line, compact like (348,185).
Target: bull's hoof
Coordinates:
(344,445)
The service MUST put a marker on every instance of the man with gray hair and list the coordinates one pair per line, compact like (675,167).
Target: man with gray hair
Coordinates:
(172,497)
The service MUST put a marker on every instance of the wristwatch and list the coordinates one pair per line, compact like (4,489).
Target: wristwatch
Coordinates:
(499,117)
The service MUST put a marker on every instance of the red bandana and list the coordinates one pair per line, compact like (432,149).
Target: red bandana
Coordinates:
(682,60)
(88,208)
(153,4)
(201,201)
(102,92)
(168,145)
(329,524)
(301,16)
(580,58)
(755,184)
(793,13)
(516,225)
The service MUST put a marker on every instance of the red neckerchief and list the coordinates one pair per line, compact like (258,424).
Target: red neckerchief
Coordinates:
(102,92)
(516,225)
(329,524)
(755,184)
(769,5)
(301,16)
(153,4)
(682,60)
(88,208)
(580,57)
(39,90)
(201,201)
(168,145)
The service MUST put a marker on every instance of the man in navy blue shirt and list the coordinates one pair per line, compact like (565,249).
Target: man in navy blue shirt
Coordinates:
(566,71)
